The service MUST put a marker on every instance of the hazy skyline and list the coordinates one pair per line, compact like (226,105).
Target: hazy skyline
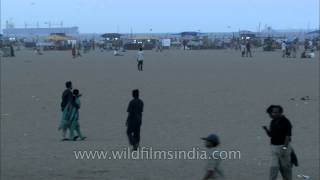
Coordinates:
(98,16)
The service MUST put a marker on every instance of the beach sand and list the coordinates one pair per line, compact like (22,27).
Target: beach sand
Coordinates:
(187,95)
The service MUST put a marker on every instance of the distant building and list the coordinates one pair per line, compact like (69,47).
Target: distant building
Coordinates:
(189,35)
(247,35)
(313,34)
(32,32)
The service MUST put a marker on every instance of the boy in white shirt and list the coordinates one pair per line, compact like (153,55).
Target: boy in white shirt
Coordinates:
(140,58)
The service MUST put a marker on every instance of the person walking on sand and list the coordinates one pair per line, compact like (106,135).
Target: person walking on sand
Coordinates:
(12,51)
(140,58)
(79,46)
(213,168)
(248,49)
(294,49)
(243,49)
(134,120)
(73,51)
(67,98)
(283,156)
(74,117)
(284,49)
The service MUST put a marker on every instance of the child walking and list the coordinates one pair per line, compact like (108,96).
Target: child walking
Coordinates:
(213,169)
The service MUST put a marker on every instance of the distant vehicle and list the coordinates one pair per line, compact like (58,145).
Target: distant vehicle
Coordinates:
(270,44)
(30,44)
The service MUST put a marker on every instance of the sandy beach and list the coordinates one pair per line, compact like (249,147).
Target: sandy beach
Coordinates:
(187,95)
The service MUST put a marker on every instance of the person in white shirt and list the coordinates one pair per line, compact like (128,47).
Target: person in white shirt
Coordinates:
(306,54)
(140,58)
(243,50)
(115,52)
(310,44)
(283,48)
(311,54)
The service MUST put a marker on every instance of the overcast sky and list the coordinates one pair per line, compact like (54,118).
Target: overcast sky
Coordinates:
(163,15)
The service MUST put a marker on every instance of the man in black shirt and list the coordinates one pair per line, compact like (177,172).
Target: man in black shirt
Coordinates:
(134,119)
(248,48)
(280,135)
(66,95)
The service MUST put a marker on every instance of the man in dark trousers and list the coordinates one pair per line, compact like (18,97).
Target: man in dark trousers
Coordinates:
(134,119)
(248,49)
(280,135)
(67,96)
(12,51)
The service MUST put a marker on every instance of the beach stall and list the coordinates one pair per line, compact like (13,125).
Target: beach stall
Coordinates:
(60,41)
(194,40)
(112,40)
(145,42)
(270,44)
(250,36)
(166,43)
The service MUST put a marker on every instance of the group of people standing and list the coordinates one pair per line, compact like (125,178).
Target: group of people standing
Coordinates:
(246,49)
(280,129)
(76,50)
(70,106)
(289,50)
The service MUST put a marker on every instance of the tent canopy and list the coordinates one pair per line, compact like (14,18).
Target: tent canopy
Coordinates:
(314,32)
(145,38)
(111,35)
(58,38)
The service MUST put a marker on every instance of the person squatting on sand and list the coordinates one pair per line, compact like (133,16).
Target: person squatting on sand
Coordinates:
(306,54)
(140,58)
(69,109)
(134,120)
(213,168)
(283,156)
(116,52)
(37,50)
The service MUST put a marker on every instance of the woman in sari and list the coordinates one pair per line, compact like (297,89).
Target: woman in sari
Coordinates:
(70,118)
(74,117)
(65,123)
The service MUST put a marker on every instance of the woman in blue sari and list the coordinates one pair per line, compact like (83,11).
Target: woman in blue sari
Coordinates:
(70,118)
(74,117)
